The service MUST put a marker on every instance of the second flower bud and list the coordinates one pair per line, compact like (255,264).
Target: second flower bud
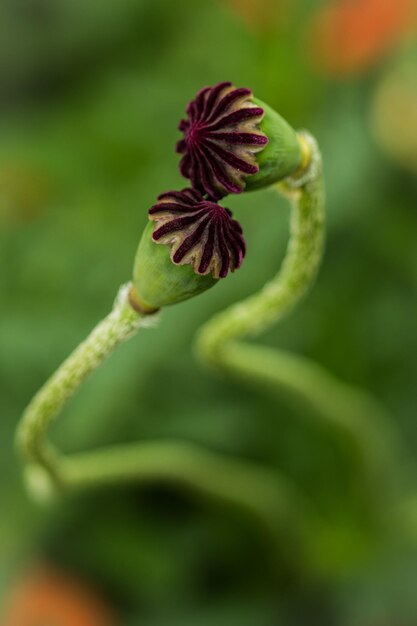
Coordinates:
(189,244)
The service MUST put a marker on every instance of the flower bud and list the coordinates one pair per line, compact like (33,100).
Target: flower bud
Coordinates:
(234,142)
(189,244)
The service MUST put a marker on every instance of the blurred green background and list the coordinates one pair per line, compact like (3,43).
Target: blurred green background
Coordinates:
(91,93)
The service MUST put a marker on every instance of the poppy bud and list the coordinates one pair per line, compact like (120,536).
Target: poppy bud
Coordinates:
(189,244)
(234,142)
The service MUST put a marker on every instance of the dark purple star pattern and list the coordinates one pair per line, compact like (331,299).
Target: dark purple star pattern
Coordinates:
(199,232)
(221,139)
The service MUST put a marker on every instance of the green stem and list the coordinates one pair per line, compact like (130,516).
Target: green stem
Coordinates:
(298,271)
(260,492)
(352,415)
(31,439)
(269,500)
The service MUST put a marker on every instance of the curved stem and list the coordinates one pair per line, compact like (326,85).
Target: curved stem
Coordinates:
(258,491)
(351,414)
(298,271)
(355,417)
(269,500)
(31,440)
(266,498)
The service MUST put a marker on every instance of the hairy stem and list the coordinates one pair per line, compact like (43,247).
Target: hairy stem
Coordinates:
(352,415)
(260,492)
(298,271)
(31,438)
(265,497)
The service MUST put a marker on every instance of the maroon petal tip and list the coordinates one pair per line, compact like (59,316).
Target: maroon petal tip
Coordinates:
(200,232)
(221,139)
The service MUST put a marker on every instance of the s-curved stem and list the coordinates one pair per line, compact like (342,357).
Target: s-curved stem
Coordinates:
(352,415)
(31,436)
(297,273)
(261,494)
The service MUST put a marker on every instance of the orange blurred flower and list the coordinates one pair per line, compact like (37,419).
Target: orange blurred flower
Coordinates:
(51,597)
(347,36)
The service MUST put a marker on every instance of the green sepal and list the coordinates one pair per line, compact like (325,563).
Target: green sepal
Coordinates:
(281,156)
(158,281)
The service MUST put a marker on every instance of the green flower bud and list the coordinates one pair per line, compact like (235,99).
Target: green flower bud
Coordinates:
(192,243)
(232,142)
(158,282)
